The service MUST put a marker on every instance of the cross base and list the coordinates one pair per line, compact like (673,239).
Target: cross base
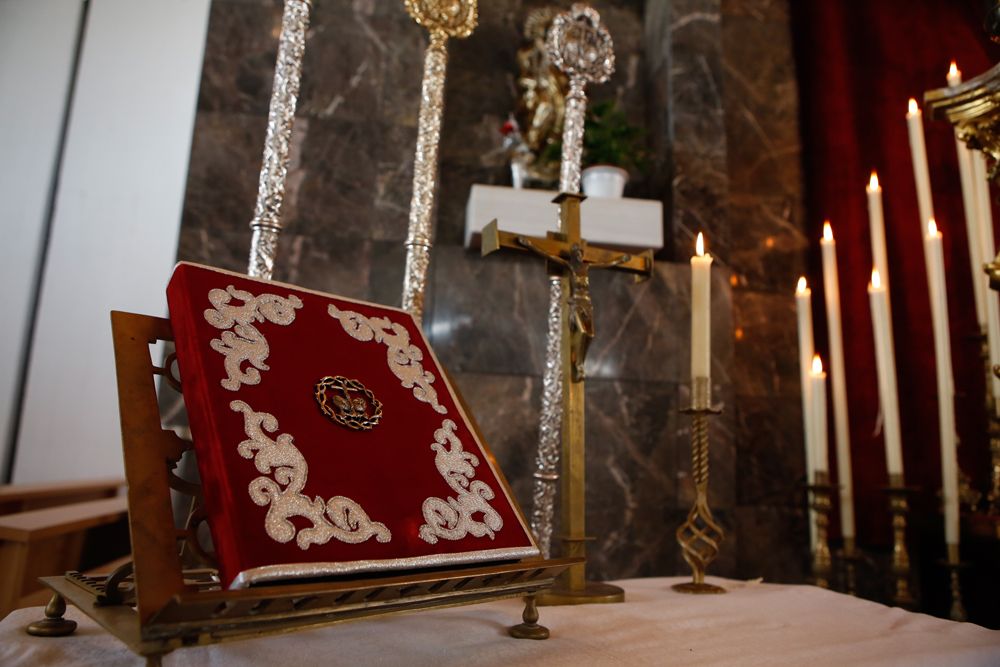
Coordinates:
(593,592)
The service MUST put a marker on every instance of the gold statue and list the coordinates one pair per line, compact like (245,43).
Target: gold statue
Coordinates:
(542,103)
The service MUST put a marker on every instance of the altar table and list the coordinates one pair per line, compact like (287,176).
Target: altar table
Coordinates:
(754,624)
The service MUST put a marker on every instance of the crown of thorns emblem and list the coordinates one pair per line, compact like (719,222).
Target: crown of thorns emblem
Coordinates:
(348,402)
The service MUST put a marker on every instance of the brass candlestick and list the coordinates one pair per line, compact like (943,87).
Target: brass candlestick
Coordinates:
(822,563)
(954,564)
(993,497)
(699,535)
(850,556)
(899,506)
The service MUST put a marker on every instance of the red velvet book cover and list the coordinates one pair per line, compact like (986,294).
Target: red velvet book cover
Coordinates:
(328,438)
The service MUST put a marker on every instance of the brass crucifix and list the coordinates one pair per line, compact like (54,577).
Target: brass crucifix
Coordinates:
(569,255)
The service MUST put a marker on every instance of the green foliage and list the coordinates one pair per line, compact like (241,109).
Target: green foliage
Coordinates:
(608,138)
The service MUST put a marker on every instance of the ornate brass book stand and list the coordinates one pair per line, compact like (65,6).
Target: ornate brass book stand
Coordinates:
(169,596)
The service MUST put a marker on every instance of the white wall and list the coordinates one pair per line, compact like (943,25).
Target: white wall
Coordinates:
(37,47)
(115,228)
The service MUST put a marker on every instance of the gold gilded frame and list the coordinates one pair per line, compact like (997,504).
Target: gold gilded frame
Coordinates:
(155,605)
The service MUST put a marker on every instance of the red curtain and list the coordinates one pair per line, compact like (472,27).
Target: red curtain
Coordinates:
(858,63)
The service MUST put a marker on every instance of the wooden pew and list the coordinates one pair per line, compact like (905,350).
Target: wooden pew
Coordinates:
(48,541)
(23,497)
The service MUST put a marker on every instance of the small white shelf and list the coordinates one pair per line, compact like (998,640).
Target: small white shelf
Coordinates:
(633,224)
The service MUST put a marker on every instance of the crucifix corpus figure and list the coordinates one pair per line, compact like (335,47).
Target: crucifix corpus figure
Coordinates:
(571,257)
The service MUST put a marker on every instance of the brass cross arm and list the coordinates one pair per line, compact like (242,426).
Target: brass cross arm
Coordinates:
(557,249)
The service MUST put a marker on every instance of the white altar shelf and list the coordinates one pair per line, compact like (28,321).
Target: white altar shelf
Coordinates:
(753,625)
(632,224)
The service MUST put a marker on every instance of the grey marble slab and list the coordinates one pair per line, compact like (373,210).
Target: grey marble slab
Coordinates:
(774,543)
(630,478)
(771,456)
(489,312)
(766,344)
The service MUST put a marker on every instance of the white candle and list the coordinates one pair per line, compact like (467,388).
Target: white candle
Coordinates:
(876,224)
(972,219)
(817,394)
(838,380)
(915,127)
(701,298)
(885,362)
(954,74)
(987,248)
(934,258)
(803,308)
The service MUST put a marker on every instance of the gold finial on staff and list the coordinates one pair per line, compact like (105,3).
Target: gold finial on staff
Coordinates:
(443,19)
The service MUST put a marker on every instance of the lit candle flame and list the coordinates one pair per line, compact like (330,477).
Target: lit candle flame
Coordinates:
(932,229)
(913,108)
(953,71)
(827,231)
(699,245)
(801,287)
(876,279)
(873,182)
(817,368)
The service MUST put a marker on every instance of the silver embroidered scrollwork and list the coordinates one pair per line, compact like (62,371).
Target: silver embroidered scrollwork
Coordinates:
(266,223)
(403,357)
(454,518)
(245,343)
(581,47)
(340,518)
(444,19)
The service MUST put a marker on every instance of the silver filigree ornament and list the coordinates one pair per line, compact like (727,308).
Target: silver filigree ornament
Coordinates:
(403,357)
(443,19)
(453,518)
(245,343)
(581,47)
(266,224)
(339,518)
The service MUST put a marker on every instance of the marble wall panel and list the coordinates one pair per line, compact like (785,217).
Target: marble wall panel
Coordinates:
(766,345)
(631,480)
(686,82)
(765,188)
(489,313)
(771,458)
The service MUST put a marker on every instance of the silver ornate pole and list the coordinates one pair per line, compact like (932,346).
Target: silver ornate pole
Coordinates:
(444,19)
(266,223)
(582,48)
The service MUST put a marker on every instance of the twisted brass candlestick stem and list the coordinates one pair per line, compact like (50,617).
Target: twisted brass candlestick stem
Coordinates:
(954,564)
(899,506)
(700,535)
(822,563)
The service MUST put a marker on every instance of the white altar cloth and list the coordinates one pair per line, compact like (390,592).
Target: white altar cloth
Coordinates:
(754,624)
